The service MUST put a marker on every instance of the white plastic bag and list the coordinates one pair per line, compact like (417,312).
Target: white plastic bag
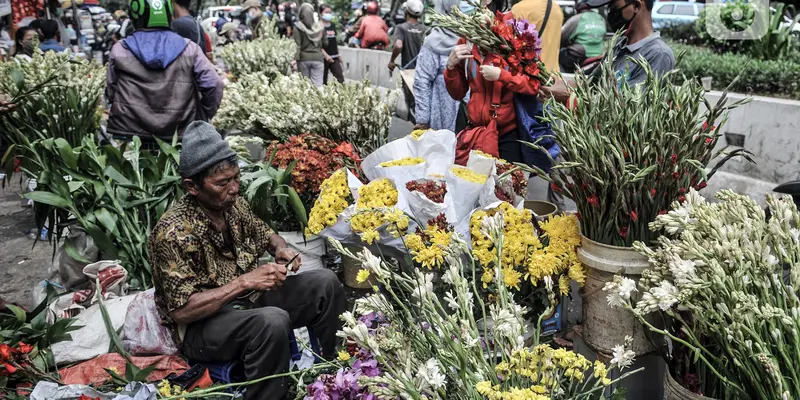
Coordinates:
(92,340)
(423,208)
(142,332)
(462,195)
(438,148)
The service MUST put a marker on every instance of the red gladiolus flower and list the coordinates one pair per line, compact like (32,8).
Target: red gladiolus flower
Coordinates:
(555,187)
(593,200)
(6,351)
(652,193)
(10,368)
(626,155)
(682,190)
(634,216)
(701,185)
(24,348)
(676,175)
(532,69)
(674,158)
(503,30)
(709,140)
(681,199)
(623,232)
(578,215)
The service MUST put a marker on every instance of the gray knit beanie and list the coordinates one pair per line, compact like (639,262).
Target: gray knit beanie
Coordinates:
(202,147)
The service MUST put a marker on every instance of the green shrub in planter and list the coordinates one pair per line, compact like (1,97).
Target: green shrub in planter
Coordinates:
(780,78)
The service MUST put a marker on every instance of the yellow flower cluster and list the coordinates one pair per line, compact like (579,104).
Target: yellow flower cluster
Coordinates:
(519,241)
(165,390)
(525,254)
(541,367)
(482,154)
(429,255)
(331,202)
(468,174)
(403,162)
(417,134)
(373,199)
(362,276)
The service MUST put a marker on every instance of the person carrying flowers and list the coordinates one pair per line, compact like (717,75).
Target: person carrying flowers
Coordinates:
(493,80)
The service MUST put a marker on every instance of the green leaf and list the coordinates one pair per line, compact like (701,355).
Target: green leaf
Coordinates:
(18,312)
(75,185)
(107,220)
(107,247)
(298,207)
(18,77)
(66,153)
(110,328)
(115,175)
(48,198)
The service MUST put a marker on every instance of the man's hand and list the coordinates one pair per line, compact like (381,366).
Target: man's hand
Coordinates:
(559,91)
(392,66)
(328,59)
(459,53)
(284,254)
(294,65)
(490,72)
(266,277)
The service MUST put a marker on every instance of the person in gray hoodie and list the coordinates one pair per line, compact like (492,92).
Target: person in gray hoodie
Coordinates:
(435,109)
(157,81)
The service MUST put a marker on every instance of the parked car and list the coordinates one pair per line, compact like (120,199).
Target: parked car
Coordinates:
(666,13)
(214,13)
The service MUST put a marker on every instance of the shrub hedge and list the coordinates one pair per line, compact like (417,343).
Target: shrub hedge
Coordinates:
(779,78)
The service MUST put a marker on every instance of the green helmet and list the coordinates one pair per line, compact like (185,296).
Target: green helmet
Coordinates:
(150,13)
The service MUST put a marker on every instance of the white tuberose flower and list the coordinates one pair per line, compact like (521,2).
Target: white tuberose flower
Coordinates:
(430,374)
(622,358)
(619,291)
(666,294)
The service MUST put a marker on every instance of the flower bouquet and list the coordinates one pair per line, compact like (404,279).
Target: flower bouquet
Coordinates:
(630,151)
(426,198)
(507,42)
(725,278)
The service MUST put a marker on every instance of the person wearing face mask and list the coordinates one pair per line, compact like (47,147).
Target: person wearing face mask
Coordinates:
(25,43)
(492,126)
(633,18)
(333,63)
(254,18)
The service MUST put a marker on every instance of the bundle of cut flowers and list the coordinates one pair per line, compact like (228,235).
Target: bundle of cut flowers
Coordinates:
(507,42)
(726,276)
(630,151)
(55,97)
(407,342)
(286,106)
(272,57)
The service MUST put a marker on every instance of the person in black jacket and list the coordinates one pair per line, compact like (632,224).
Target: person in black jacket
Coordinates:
(333,62)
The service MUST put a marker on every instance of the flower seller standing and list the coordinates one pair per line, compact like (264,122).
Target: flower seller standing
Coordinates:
(210,291)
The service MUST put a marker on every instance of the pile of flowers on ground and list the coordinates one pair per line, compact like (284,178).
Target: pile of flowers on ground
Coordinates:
(268,57)
(291,105)
(726,276)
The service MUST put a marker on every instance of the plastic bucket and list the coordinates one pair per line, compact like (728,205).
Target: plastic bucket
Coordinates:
(311,250)
(674,391)
(351,268)
(605,327)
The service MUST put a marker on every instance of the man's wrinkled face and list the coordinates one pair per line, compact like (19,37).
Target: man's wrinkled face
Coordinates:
(220,188)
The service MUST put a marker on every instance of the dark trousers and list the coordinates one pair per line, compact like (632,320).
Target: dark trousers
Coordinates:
(258,333)
(336,68)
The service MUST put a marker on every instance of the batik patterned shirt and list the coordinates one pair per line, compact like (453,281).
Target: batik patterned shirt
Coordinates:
(188,255)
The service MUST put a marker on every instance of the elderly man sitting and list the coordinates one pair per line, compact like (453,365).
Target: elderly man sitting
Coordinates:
(219,304)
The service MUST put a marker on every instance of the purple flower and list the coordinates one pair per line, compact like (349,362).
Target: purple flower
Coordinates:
(367,367)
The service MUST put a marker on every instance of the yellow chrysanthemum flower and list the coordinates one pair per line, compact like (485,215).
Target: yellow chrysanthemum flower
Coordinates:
(370,236)
(403,162)
(343,355)
(468,174)
(362,276)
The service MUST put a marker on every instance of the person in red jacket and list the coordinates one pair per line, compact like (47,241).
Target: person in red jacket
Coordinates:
(373,31)
(492,92)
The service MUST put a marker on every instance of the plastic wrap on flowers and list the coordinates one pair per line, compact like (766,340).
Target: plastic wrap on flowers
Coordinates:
(481,162)
(437,148)
(496,190)
(401,171)
(463,226)
(464,187)
(422,207)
